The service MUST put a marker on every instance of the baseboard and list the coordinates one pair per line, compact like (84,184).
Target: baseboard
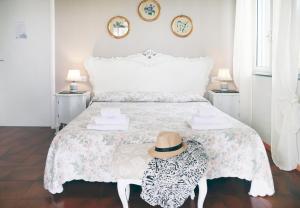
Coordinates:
(267,146)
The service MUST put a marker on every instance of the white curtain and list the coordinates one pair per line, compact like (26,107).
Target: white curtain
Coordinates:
(243,53)
(285,102)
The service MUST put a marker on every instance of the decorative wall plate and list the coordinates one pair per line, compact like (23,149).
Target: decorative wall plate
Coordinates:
(182,26)
(149,10)
(118,27)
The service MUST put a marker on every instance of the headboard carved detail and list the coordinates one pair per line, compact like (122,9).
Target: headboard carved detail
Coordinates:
(149,53)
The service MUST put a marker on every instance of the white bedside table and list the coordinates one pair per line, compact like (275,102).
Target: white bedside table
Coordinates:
(69,105)
(228,102)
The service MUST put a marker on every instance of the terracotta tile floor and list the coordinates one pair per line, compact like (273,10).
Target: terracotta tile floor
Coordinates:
(23,153)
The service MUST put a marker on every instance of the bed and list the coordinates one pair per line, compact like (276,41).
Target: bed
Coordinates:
(80,154)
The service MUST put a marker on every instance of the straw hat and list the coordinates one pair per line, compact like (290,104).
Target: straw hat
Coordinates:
(168,144)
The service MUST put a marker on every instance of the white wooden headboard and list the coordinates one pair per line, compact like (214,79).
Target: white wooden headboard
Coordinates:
(149,71)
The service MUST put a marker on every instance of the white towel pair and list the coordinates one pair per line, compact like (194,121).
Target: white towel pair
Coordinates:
(110,119)
(103,127)
(121,119)
(207,123)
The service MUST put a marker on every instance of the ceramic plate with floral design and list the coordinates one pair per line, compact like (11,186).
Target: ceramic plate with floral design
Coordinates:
(149,10)
(118,27)
(182,26)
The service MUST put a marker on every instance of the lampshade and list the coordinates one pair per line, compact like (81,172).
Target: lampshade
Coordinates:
(74,75)
(224,75)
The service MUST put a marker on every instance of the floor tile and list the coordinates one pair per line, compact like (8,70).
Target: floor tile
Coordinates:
(13,189)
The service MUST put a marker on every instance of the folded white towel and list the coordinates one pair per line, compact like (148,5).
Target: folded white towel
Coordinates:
(209,120)
(99,127)
(215,123)
(206,112)
(210,126)
(110,112)
(121,119)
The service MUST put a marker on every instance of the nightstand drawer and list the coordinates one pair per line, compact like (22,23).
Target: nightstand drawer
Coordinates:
(70,105)
(227,102)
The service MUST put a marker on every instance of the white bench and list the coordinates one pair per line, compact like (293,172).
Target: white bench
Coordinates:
(129,163)
(124,190)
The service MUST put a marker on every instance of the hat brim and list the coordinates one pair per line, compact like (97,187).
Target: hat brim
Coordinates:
(166,155)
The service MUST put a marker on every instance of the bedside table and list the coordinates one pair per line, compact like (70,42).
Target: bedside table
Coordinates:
(228,102)
(69,105)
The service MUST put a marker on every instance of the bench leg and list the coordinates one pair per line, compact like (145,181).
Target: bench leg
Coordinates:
(124,189)
(122,186)
(127,191)
(193,195)
(202,191)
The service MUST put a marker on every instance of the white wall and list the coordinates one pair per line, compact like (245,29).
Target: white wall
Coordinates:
(25,73)
(81,31)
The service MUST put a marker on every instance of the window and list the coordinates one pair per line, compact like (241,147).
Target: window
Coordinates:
(263,37)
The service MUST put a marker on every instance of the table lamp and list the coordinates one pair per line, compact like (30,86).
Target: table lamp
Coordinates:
(74,77)
(225,77)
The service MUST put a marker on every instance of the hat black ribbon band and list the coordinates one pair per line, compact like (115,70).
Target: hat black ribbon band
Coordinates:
(168,149)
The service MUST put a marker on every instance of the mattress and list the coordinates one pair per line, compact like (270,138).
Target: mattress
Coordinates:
(80,154)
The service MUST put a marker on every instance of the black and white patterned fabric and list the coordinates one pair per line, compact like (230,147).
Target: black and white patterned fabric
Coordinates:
(168,183)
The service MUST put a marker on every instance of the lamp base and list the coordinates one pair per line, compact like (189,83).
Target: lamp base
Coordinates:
(224,86)
(73,87)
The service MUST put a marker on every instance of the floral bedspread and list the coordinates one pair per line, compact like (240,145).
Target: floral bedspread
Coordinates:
(80,154)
